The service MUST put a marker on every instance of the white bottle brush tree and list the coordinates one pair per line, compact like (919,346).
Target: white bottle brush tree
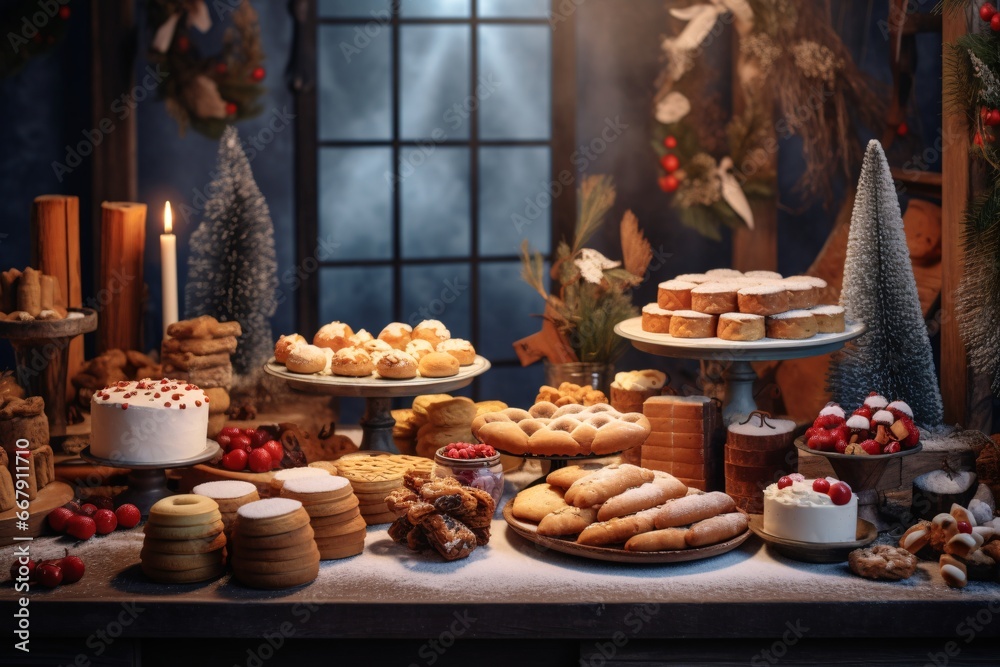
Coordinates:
(893,357)
(232,270)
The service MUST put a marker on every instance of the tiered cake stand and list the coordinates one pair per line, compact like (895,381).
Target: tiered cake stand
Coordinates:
(740,376)
(378,393)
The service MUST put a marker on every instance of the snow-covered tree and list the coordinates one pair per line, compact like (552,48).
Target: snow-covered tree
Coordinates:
(893,357)
(232,270)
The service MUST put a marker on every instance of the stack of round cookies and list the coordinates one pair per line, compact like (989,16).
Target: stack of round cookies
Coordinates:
(273,545)
(338,527)
(230,495)
(373,477)
(184,542)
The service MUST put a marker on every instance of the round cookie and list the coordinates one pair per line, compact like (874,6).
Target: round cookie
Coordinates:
(286,553)
(334,519)
(158,532)
(270,516)
(278,480)
(229,494)
(332,507)
(357,524)
(278,581)
(186,509)
(180,562)
(317,488)
(185,576)
(341,551)
(199,545)
(293,538)
(241,564)
(375,519)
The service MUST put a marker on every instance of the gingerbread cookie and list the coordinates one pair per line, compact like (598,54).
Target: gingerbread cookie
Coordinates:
(882,562)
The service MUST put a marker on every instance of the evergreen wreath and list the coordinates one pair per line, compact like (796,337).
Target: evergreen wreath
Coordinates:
(207,93)
(791,62)
(30,30)
(973,73)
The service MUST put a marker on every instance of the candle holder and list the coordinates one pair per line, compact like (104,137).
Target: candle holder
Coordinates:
(41,353)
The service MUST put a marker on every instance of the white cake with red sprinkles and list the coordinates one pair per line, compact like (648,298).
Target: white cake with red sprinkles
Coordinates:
(148,421)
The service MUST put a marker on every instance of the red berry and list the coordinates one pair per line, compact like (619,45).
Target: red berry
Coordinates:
(15,569)
(871,446)
(785,481)
(840,493)
(230,109)
(240,442)
(670,141)
(106,521)
(250,433)
(891,448)
(103,502)
(88,509)
(902,129)
(258,74)
(221,68)
(259,438)
(964,527)
(72,569)
(668,183)
(58,518)
(260,460)
(81,527)
(995,23)
(128,515)
(229,431)
(73,506)
(183,43)
(993,117)
(986,11)
(670,163)
(828,421)
(236,460)
(864,411)
(64,13)
(277,452)
(821,485)
(223,441)
(50,575)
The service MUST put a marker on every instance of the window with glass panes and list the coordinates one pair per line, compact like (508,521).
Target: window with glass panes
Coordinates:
(435,150)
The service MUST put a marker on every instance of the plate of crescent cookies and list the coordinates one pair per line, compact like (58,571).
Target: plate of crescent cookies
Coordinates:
(626,514)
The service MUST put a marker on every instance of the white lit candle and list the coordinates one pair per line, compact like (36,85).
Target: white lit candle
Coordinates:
(168,259)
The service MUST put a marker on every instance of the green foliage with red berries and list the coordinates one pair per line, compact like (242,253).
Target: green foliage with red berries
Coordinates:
(972,75)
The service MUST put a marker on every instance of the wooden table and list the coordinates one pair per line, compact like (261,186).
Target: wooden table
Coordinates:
(509,589)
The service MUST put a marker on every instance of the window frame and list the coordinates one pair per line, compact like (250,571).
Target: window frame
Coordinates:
(308,145)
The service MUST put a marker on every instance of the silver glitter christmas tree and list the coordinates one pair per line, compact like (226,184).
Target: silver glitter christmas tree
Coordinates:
(232,270)
(893,357)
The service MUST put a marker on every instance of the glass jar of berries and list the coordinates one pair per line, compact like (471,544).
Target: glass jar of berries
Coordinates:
(475,465)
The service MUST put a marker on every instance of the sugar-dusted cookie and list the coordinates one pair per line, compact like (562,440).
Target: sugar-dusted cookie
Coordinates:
(535,502)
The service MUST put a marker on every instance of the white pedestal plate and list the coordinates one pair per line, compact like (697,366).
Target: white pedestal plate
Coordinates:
(378,393)
(740,376)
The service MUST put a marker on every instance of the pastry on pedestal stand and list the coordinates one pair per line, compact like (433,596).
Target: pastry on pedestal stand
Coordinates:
(862,474)
(147,482)
(41,353)
(740,377)
(378,393)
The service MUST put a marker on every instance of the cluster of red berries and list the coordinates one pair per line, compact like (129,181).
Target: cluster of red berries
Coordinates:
(249,448)
(468,450)
(988,13)
(670,181)
(97,516)
(840,493)
(48,573)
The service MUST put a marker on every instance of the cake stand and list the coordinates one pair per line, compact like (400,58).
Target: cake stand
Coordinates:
(147,482)
(557,461)
(740,375)
(41,352)
(378,393)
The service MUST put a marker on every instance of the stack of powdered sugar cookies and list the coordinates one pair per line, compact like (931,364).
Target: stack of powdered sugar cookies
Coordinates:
(273,545)
(338,527)
(184,540)
(230,495)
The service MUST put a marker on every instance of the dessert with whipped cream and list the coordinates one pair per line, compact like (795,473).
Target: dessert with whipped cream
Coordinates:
(149,421)
(631,389)
(817,511)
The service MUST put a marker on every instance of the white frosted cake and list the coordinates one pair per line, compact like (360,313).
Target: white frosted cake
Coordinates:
(799,512)
(148,421)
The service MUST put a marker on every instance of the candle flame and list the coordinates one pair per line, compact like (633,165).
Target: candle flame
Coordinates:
(168,220)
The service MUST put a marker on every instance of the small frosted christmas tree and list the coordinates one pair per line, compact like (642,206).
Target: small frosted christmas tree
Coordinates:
(232,270)
(893,357)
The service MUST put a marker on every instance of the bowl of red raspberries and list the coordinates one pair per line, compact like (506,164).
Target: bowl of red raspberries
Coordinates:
(875,428)
(473,464)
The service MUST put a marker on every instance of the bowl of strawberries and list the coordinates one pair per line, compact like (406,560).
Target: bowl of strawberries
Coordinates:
(860,446)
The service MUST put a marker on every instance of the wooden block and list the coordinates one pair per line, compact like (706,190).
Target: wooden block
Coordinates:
(759,474)
(123,242)
(653,464)
(685,440)
(690,470)
(781,458)
(679,455)
(680,407)
(673,425)
(737,488)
